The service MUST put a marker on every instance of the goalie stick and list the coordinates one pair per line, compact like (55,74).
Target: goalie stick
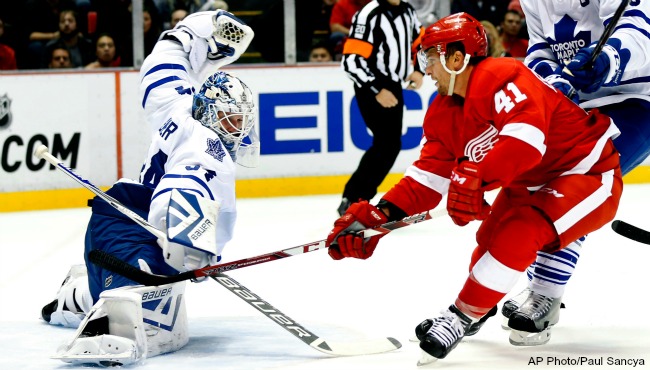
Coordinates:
(357,348)
(332,348)
(116,265)
(631,232)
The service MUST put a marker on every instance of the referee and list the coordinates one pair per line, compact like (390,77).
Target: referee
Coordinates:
(378,58)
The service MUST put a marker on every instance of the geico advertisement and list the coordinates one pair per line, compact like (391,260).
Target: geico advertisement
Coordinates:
(74,115)
(310,125)
(307,119)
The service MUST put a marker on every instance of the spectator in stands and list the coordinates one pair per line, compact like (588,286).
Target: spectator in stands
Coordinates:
(341,20)
(152,28)
(114,18)
(80,48)
(320,53)
(495,47)
(510,27)
(7,54)
(489,10)
(177,16)
(42,25)
(106,53)
(516,6)
(59,58)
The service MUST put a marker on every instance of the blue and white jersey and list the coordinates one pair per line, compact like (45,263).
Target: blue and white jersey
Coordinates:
(558,29)
(183,153)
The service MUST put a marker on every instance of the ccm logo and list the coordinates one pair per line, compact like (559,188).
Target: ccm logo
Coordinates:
(458,179)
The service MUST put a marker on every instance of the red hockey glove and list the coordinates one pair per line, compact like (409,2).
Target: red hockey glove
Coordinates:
(343,240)
(465,201)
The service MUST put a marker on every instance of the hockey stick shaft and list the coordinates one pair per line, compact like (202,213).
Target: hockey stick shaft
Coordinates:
(43,153)
(607,33)
(114,264)
(631,232)
(299,331)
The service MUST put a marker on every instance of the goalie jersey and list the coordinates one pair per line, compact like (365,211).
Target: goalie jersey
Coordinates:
(183,153)
(558,29)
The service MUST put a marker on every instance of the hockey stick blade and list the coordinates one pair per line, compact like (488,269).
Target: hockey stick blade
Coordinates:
(365,347)
(116,265)
(631,232)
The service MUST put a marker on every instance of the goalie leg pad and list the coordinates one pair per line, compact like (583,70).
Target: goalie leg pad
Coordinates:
(129,324)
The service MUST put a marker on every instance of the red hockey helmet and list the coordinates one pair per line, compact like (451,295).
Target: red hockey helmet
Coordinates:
(456,27)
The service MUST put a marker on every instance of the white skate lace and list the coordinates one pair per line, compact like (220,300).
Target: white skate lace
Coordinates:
(447,328)
(540,305)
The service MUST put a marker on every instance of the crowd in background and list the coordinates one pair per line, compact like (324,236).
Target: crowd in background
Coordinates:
(40,34)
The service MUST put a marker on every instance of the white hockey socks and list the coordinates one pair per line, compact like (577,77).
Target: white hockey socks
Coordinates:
(129,324)
(549,273)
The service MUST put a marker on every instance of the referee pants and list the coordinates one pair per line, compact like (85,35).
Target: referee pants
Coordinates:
(386,127)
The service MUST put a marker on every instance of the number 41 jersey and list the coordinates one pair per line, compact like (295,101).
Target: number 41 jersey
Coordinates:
(540,134)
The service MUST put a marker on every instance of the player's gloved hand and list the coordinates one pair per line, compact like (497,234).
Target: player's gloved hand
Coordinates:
(213,37)
(607,69)
(343,240)
(564,86)
(465,200)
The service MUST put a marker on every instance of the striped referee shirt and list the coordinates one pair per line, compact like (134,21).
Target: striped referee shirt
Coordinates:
(382,41)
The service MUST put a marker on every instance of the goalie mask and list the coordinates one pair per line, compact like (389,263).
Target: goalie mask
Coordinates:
(225,105)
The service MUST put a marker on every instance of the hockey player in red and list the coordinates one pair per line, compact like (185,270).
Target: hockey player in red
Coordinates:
(495,123)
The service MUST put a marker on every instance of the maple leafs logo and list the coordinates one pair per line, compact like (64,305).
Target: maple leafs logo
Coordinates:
(567,43)
(215,149)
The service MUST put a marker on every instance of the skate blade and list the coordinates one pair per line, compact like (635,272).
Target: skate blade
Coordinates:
(523,338)
(504,323)
(414,339)
(426,359)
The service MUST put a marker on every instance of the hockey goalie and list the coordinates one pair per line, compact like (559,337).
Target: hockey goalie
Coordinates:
(199,130)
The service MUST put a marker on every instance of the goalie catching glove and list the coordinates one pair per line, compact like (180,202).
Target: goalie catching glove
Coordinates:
(343,241)
(465,200)
(212,39)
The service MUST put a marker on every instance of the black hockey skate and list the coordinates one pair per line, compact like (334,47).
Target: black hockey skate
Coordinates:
(424,326)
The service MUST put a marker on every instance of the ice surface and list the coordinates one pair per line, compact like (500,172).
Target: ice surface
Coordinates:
(415,272)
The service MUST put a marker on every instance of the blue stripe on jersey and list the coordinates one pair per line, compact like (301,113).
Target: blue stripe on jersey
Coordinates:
(539,46)
(630,13)
(167,190)
(156,84)
(164,66)
(633,27)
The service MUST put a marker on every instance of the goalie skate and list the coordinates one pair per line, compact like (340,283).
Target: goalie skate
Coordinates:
(531,324)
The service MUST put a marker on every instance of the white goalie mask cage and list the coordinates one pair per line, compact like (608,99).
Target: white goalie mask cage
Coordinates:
(225,105)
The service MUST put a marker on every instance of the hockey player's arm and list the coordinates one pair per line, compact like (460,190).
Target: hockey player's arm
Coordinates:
(425,182)
(539,57)
(212,39)
(358,48)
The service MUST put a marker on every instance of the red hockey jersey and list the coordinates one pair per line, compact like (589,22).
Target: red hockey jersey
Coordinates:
(521,131)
